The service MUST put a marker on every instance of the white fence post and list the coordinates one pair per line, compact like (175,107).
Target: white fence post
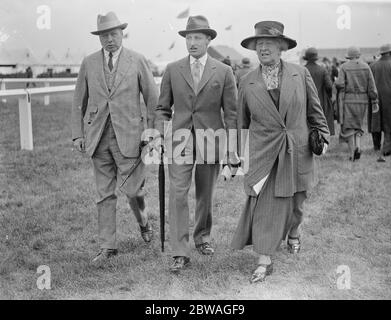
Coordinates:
(4,100)
(47,97)
(25,123)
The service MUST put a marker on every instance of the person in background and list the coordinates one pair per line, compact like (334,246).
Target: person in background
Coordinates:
(29,75)
(278,106)
(107,124)
(334,69)
(381,70)
(323,84)
(359,94)
(244,69)
(326,64)
(227,61)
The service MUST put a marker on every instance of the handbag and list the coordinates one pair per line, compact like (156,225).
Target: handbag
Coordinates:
(316,142)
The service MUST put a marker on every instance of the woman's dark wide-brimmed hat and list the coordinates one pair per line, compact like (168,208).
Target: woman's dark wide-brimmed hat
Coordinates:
(268,29)
(198,24)
(311,54)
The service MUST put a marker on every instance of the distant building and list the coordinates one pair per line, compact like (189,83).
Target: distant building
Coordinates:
(17,60)
(7,64)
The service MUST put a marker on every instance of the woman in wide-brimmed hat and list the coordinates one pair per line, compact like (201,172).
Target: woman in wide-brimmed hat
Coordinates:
(358,93)
(278,104)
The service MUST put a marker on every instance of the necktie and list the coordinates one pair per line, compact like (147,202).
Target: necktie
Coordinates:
(196,74)
(110,64)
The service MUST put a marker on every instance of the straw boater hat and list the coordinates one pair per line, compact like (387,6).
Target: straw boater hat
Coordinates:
(311,54)
(385,48)
(107,23)
(198,24)
(268,29)
(353,53)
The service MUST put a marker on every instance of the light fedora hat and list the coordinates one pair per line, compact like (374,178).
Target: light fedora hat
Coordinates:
(198,24)
(108,22)
(385,48)
(268,29)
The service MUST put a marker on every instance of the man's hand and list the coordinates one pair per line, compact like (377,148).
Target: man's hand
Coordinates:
(233,159)
(152,152)
(79,145)
(375,108)
(156,143)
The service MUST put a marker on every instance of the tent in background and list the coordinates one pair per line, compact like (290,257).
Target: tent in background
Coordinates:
(221,52)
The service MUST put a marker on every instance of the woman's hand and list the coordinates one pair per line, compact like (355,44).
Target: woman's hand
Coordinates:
(325,147)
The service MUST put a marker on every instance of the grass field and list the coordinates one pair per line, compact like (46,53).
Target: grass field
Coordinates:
(48,217)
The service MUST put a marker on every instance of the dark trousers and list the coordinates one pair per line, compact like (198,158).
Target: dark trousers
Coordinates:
(376,138)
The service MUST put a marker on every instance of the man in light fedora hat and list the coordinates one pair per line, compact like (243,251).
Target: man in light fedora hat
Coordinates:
(381,70)
(107,124)
(200,88)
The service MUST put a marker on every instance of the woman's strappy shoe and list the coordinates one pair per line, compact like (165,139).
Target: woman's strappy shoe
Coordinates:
(293,247)
(258,275)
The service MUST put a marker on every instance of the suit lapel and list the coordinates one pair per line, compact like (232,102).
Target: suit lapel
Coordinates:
(207,74)
(260,93)
(288,87)
(124,63)
(185,71)
(101,73)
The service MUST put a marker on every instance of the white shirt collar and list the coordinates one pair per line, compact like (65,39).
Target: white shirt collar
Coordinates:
(202,59)
(115,53)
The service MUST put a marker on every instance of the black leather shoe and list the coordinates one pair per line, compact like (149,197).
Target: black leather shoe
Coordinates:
(357,154)
(146,232)
(293,247)
(261,272)
(104,254)
(205,249)
(179,264)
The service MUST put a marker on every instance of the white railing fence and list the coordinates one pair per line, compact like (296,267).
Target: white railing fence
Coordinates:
(24,96)
(25,120)
(46,82)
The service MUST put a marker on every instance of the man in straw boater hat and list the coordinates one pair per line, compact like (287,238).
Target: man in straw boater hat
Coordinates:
(279,106)
(381,70)
(358,91)
(200,88)
(107,124)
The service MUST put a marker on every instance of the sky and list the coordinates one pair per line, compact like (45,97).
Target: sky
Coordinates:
(153,24)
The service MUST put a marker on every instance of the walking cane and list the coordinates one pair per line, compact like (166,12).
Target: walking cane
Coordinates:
(161,199)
